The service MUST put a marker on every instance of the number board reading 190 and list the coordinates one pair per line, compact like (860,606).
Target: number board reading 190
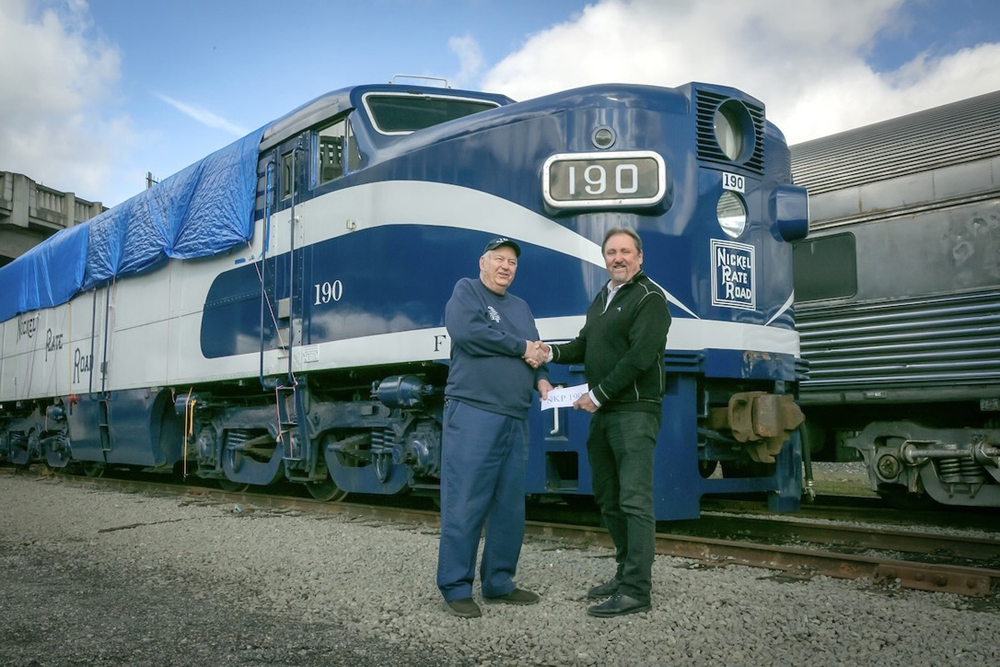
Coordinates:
(592,180)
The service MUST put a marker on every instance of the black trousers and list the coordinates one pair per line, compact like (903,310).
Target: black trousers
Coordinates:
(620,447)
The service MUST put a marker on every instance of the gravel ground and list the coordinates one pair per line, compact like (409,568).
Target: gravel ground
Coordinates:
(98,577)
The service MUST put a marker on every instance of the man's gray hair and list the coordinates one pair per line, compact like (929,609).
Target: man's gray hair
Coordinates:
(622,230)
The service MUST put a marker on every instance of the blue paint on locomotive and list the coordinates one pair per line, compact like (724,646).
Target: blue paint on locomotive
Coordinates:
(144,431)
(403,271)
(387,299)
(515,140)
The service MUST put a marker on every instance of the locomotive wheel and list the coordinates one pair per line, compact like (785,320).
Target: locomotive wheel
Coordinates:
(326,491)
(93,469)
(230,486)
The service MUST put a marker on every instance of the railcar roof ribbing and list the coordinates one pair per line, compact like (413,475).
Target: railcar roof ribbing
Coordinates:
(951,134)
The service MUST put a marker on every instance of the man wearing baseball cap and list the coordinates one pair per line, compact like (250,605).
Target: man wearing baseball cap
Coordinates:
(485,432)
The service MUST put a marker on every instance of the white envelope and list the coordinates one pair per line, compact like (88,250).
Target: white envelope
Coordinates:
(564,397)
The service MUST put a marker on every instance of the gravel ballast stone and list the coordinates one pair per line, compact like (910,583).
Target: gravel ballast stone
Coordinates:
(93,576)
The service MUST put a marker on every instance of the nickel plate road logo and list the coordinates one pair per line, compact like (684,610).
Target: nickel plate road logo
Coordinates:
(733,275)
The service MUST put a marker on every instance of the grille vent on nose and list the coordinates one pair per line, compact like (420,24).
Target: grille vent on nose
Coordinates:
(707,103)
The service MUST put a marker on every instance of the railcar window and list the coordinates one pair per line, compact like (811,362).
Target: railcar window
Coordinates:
(394,114)
(825,268)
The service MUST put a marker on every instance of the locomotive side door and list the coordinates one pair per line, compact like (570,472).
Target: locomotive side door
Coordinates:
(89,416)
(282,268)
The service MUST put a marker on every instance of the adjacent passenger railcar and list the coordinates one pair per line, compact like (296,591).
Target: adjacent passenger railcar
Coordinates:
(275,311)
(898,301)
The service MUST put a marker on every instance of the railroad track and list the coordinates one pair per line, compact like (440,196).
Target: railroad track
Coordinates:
(926,561)
(870,510)
(792,547)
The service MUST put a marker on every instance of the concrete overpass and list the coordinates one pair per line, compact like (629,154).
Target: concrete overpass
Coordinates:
(30,213)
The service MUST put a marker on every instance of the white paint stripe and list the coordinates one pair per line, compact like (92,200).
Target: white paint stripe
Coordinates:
(690,334)
(784,307)
(419,345)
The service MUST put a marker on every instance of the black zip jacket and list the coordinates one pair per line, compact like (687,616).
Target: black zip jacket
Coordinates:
(621,346)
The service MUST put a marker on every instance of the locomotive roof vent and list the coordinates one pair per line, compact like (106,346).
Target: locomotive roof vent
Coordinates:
(730,131)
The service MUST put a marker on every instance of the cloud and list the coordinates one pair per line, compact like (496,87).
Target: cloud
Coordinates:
(204,116)
(470,59)
(58,123)
(811,68)
(62,106)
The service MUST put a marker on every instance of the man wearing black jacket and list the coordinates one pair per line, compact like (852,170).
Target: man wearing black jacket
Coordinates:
(621,345)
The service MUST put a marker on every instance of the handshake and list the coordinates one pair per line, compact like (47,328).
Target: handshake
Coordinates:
(536,353)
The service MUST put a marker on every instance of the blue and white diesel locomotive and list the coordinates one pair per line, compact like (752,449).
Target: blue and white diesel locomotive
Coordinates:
(276,310)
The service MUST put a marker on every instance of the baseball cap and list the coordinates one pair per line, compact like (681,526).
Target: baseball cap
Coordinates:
(499,241)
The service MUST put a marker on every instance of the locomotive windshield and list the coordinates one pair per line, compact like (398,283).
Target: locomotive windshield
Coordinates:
(405,113)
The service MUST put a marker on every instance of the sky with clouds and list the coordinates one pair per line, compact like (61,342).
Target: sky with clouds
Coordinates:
(93,94)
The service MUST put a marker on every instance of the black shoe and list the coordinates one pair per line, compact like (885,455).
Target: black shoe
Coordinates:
(464,607)
(604,590)
(516,596)
(618,605)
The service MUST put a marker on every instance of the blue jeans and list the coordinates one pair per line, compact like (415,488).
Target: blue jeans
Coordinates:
(620,448)
(482,484)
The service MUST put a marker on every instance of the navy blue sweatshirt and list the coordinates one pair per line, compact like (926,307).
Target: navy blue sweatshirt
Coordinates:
(488,333)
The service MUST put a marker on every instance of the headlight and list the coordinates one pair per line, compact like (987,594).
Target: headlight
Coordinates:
(734,131)
(732,213)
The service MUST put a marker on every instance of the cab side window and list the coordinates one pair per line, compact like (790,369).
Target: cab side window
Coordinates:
(287,177)
(335,146)
(330,152)
(353,154)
